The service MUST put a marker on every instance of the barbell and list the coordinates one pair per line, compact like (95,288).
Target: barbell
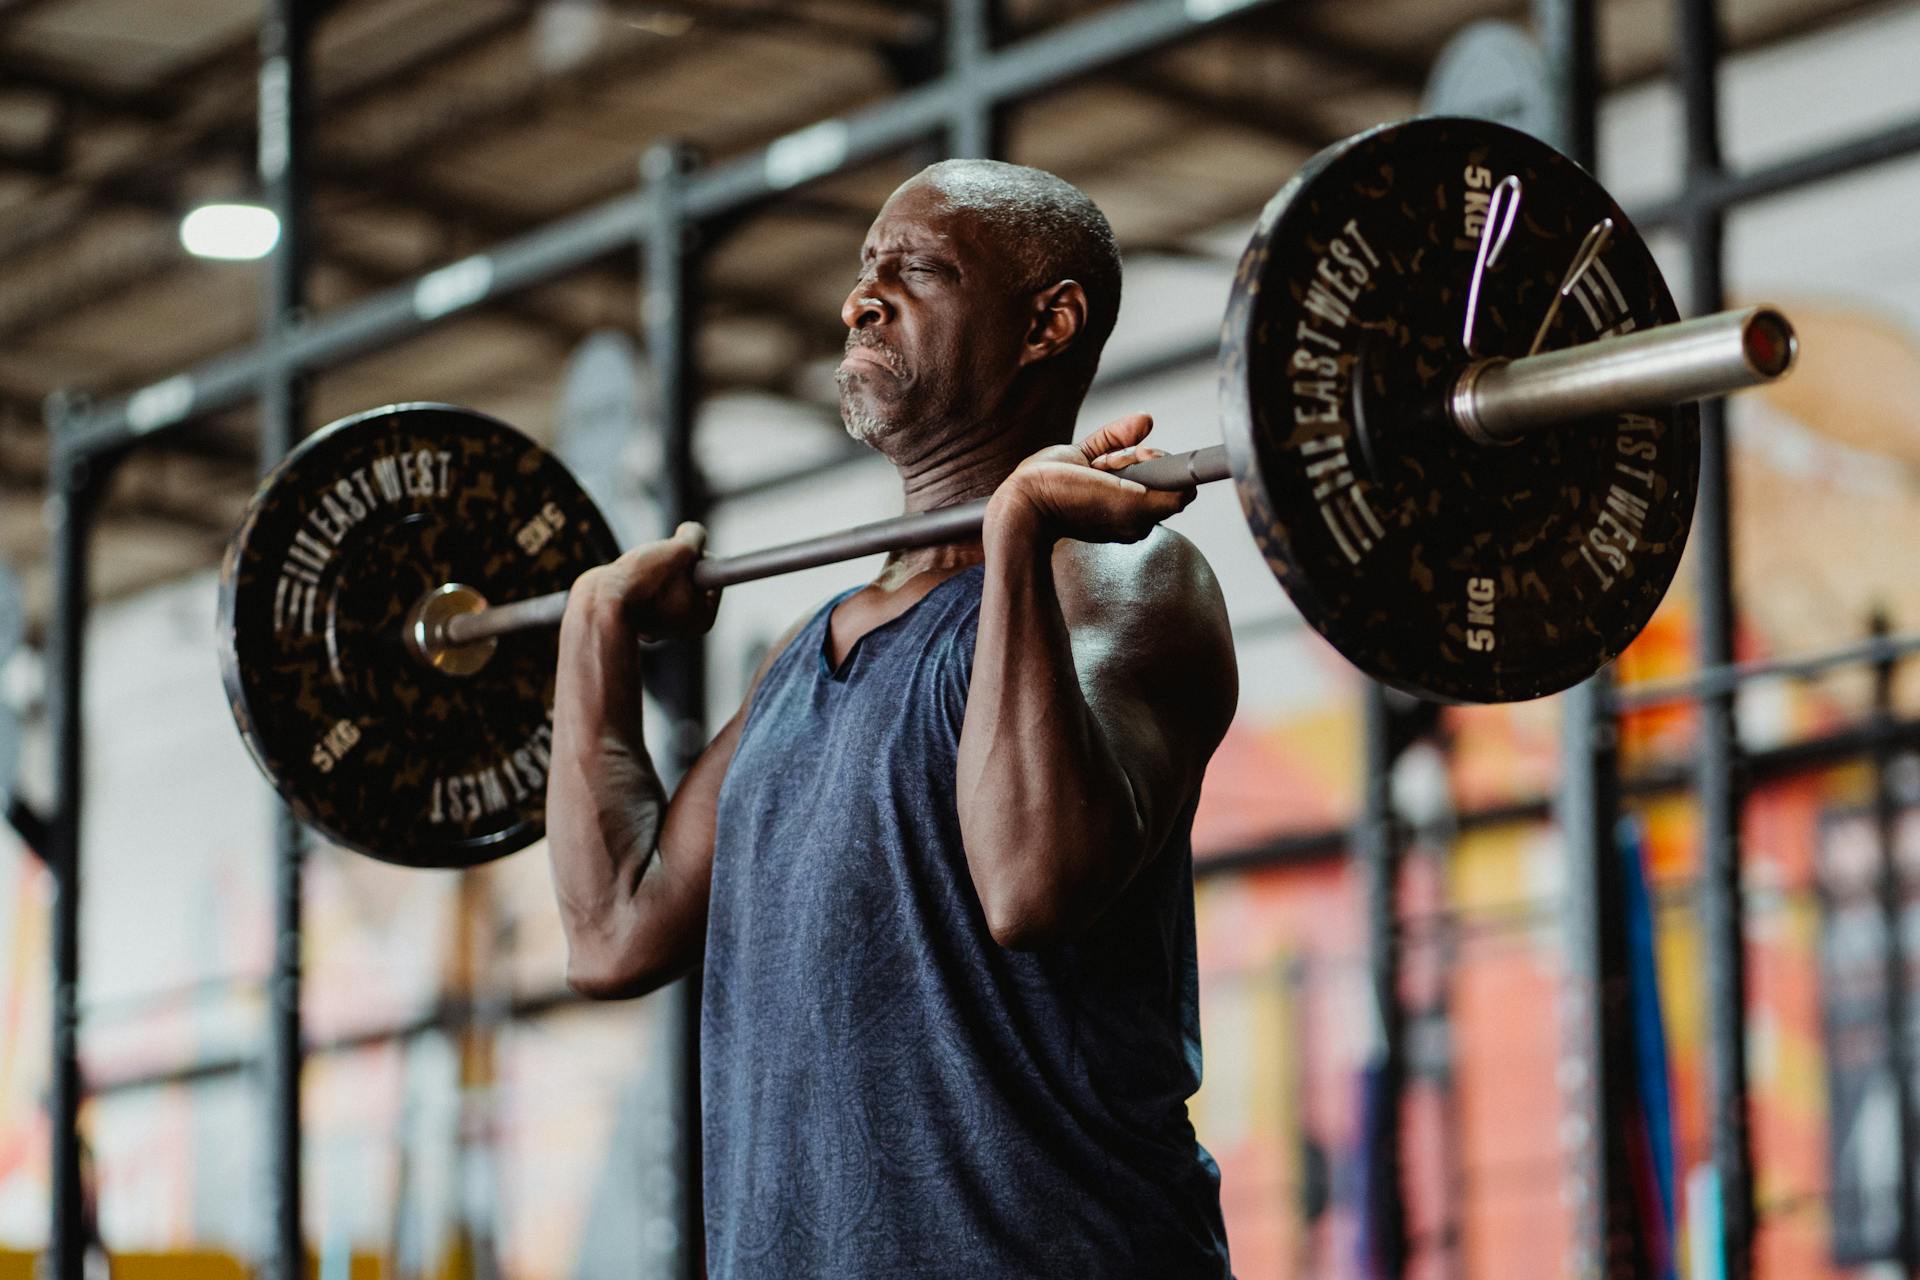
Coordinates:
(1457,406)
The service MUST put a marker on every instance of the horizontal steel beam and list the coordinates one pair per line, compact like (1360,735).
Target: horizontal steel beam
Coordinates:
(1717,193)
(1718,681)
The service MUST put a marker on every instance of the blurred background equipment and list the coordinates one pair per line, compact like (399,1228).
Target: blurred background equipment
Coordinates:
(605,433)
(1494,71)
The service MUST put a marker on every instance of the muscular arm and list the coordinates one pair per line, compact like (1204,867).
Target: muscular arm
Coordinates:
(631,867)
(1102,682)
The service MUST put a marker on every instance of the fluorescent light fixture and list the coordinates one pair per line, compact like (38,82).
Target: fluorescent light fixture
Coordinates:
(233,232)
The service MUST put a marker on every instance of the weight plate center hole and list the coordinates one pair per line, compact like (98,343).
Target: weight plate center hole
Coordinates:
(426,631)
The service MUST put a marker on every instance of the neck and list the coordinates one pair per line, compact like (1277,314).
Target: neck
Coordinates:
(904,566)
(969,460)
(968,464)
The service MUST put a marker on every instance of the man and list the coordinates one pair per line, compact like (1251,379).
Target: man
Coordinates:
(938,864)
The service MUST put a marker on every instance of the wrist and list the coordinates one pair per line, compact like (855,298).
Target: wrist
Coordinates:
(1013,521)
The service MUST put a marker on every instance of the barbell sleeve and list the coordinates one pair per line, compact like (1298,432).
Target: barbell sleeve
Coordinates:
(1494,402)
(1498,401)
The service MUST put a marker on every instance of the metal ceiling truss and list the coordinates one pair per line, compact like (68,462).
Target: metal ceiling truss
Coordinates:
(1080,48)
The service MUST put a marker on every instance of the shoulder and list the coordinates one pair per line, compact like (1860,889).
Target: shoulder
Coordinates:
(1161,579)
(1146,607)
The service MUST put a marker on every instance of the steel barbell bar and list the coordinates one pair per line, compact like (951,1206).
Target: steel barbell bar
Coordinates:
(1494,402)
(1414,501)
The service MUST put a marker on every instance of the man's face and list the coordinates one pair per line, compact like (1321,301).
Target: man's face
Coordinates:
(934,323)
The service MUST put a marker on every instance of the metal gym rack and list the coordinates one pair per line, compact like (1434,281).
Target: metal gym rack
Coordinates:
(661,220)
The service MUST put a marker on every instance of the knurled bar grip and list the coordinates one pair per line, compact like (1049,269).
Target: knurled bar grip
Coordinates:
(1494,401)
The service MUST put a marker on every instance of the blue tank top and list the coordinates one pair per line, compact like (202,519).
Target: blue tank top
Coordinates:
(886,1091)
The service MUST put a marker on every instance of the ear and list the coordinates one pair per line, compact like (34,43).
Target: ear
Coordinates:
(1056,321)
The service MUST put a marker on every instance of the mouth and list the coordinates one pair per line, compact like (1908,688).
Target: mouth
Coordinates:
(861,359)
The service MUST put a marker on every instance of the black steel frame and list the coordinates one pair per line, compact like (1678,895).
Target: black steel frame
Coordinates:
(661,218)
(1292,850)
(284,162)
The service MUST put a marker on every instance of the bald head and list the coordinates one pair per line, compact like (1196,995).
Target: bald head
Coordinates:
(1050,231)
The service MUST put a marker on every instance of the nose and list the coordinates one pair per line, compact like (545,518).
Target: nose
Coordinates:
(864,308)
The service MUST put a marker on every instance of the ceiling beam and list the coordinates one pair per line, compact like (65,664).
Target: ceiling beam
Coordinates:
(1380,66)
(12,11)
(891,24)
(162,166)
(1291,125)
(27,72)
(45,160)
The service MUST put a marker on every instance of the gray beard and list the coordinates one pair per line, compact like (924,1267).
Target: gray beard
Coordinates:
(862,424)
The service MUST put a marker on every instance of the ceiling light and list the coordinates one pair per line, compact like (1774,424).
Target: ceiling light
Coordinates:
(235,232)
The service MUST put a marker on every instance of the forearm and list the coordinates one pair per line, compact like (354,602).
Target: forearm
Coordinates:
(1049,817)
(605,802)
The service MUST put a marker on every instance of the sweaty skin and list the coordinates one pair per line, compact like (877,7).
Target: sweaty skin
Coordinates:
(1103,674)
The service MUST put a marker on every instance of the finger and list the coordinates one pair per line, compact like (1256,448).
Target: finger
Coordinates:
(1121,459)
(1111,482)
(1164,503)
(647,569)
(1121,433)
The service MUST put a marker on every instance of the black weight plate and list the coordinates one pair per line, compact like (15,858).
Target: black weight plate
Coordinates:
(1451,570)
(382,753)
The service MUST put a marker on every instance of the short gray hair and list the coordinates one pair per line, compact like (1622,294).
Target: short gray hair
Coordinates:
(1051,229)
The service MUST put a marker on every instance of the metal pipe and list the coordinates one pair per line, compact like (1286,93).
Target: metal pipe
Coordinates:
(69,513)
(1377,846)
(1499,401)
(1714,681)
(1892,896)
(286,32)
(977,119)
(1595,1059)
(1588,795)
(1720,782)
(1718,192)
(678,678)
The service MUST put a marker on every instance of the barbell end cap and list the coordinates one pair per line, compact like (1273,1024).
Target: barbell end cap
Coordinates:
(1769,343)
(428,640)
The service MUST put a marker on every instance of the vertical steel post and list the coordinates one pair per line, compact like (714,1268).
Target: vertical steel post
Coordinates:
(69,514)
(1720,783)
(1567,39)
(679,675)
(1378,846)
(1892,893)
(286,31)
(976,129)
(1596,1069)
(1594,1066)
